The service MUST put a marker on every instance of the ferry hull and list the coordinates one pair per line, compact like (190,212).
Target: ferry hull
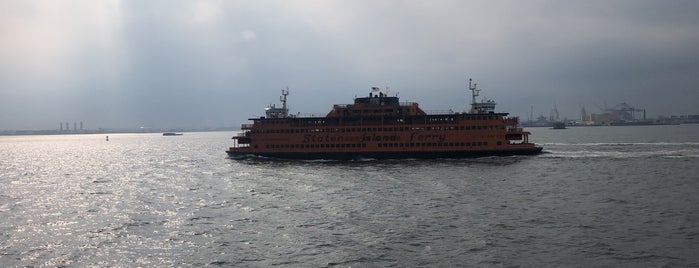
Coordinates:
(386,155)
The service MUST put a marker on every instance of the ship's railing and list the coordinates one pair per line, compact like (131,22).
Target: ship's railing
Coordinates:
(512,121)
(246,126)
(405,103)
(310,115)
(515,129)
(440,112)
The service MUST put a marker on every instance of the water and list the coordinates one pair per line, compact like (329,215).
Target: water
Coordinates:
(598,197)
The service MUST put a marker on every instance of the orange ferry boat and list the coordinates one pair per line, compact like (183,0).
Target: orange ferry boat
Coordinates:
(381,127)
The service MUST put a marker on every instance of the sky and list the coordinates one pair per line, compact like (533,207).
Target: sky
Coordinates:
(196,64)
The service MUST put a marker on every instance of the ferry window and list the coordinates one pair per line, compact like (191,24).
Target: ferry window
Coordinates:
(485,143)
(499,143)
(363,144)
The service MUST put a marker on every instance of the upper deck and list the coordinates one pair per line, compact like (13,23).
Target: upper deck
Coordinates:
(378,105)
(378,108)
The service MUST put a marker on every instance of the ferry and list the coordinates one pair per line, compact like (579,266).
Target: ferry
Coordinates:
(382,127)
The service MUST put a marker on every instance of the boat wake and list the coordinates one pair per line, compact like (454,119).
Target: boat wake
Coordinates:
(622,150)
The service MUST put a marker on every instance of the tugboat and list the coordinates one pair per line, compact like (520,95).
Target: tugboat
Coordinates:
(555,120)
(382,127)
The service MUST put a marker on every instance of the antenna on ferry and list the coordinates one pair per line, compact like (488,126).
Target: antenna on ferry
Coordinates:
(474,90)
(283,100)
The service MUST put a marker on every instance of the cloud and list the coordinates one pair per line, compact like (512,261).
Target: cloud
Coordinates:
(197,63)
(249,35)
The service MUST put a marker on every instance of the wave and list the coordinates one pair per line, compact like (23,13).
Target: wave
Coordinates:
(622,144)
(622,150)
(670,154)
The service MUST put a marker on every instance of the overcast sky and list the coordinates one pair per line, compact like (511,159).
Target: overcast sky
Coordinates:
(216,63)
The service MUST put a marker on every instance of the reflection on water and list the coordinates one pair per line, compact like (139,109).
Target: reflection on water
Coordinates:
(602,196)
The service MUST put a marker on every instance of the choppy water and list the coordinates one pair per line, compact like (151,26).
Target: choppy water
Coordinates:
(598,197)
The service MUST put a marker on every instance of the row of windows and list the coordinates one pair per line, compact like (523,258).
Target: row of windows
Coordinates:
(375,111)
(385,145)
(427,119)
(374,129)
(315,145)
(435,144)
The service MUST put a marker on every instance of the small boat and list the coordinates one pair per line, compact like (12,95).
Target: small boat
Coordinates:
(172,134)
(558,125)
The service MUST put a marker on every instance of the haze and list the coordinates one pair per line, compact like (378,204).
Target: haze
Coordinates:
(193,64)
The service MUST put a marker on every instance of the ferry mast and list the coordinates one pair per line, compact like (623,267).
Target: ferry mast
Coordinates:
(273,112)
(483,107)
(474,94)
(282,98)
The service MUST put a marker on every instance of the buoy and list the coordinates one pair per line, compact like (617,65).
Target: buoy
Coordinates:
(107,138)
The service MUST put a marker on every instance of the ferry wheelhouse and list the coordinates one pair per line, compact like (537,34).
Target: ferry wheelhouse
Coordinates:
(382,127)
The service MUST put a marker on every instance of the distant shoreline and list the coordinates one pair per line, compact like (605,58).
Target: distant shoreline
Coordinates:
(109,131)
